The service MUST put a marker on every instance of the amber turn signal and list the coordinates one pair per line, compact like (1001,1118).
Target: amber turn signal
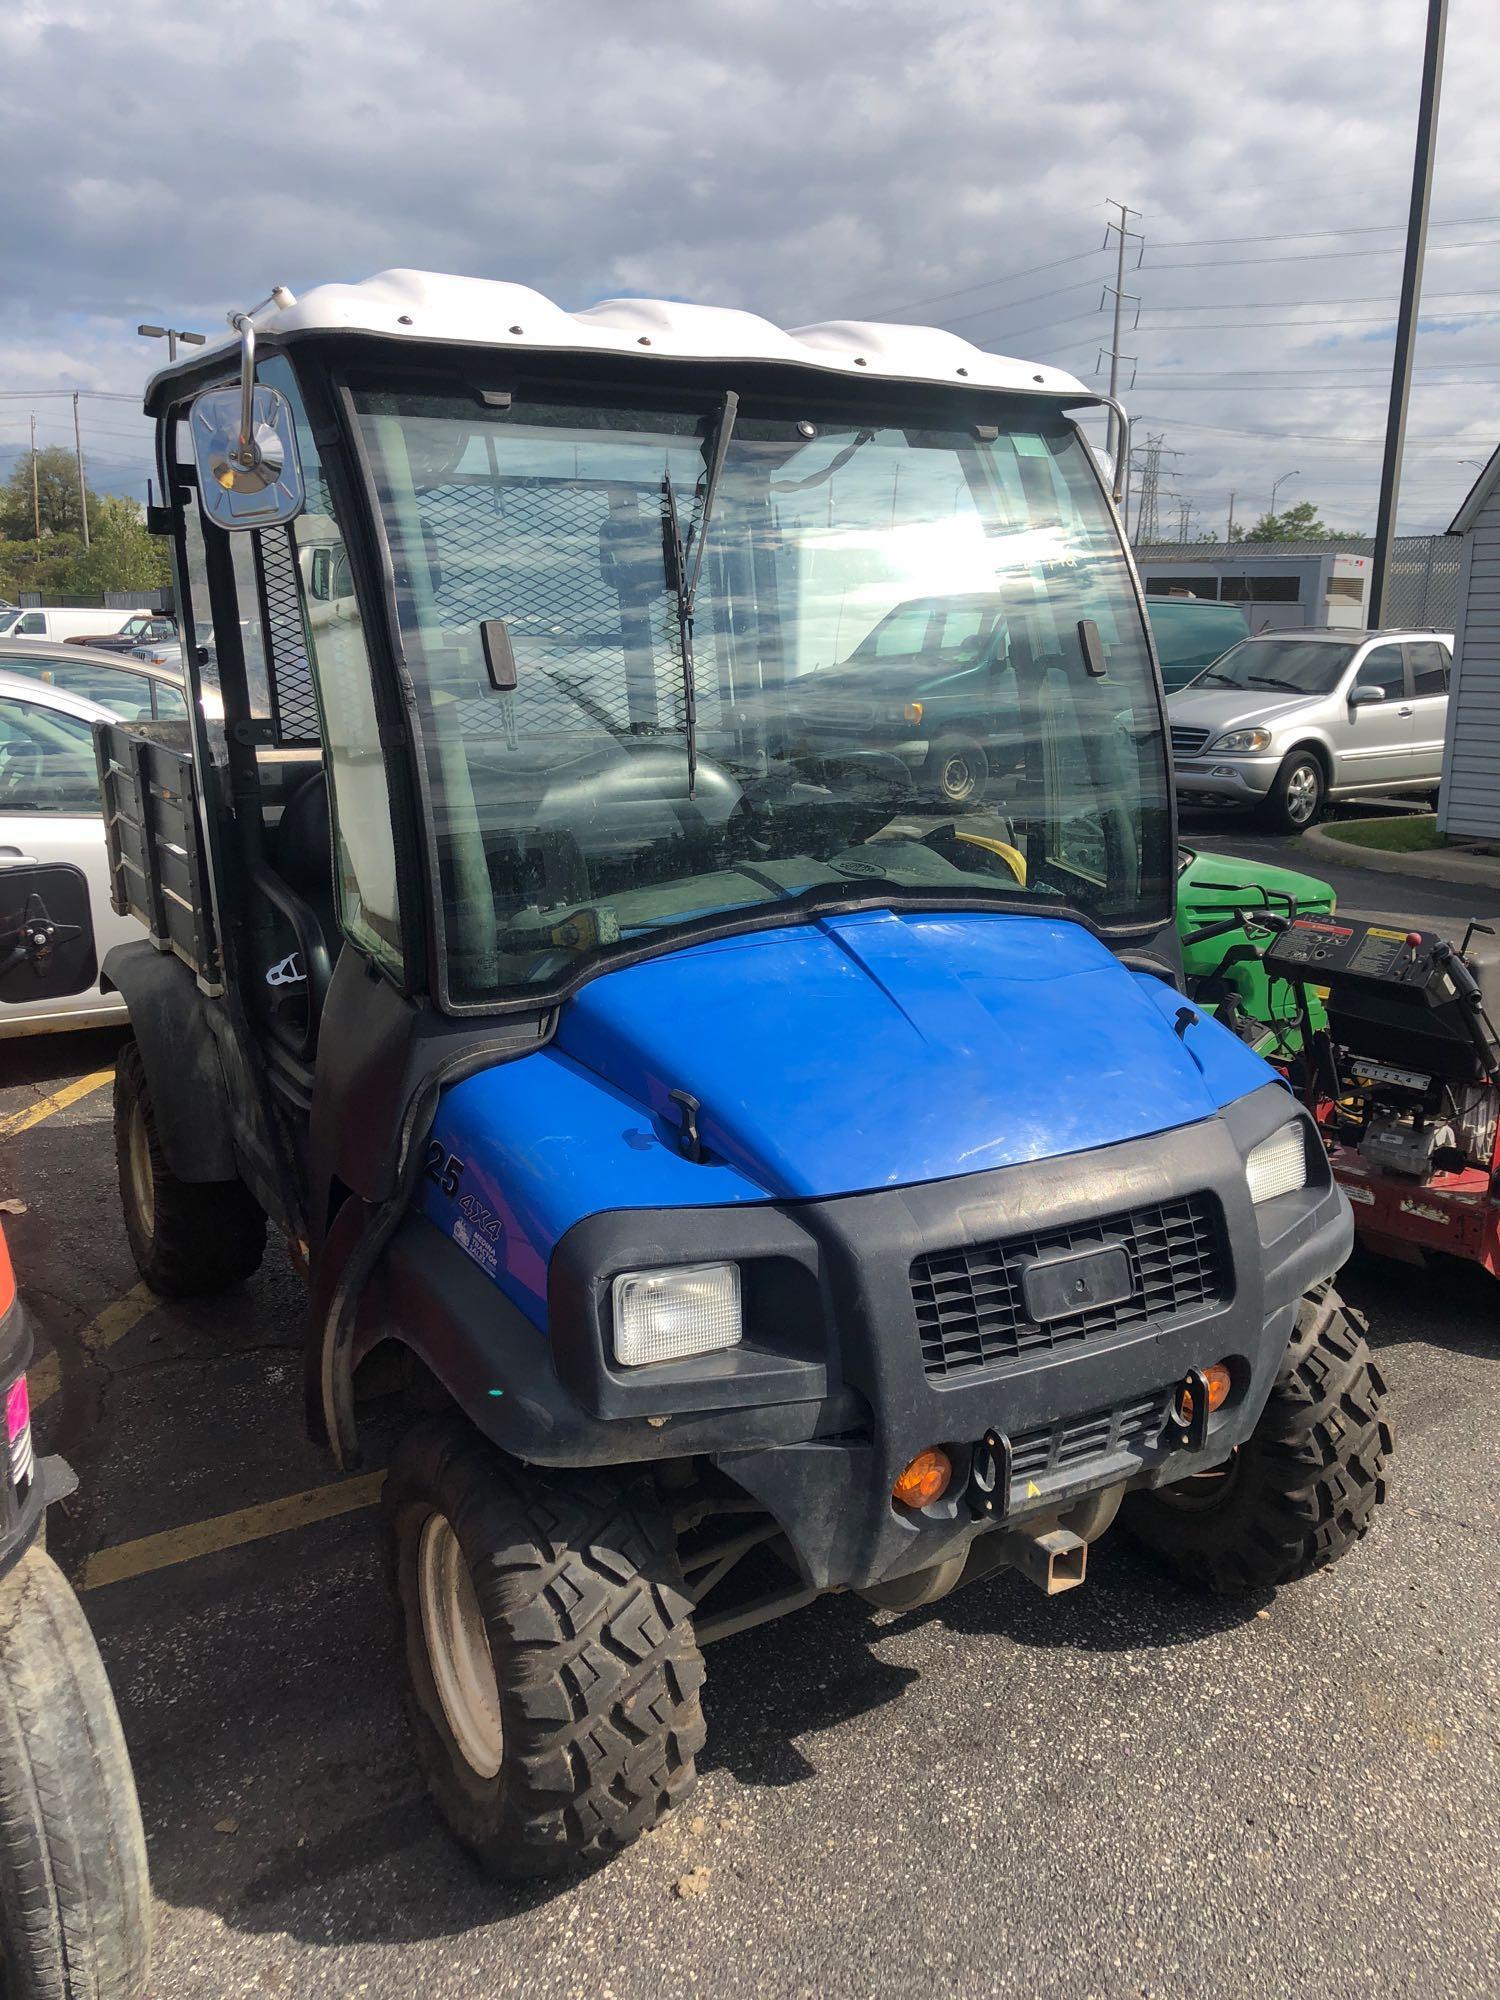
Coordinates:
(912,711)
(924,1480)
(1219,1384)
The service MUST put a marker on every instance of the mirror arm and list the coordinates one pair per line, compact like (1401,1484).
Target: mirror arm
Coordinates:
(246,453)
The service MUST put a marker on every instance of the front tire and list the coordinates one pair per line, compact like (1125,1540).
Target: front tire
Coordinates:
(186,1236)
(75,1900)
(553,1674)
(1303,1488)
(958,770)
(1295,800)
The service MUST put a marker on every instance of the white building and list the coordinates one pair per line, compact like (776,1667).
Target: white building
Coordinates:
(1469,805)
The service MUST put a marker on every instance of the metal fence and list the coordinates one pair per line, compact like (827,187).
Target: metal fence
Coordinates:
(96,600)
(1421,589)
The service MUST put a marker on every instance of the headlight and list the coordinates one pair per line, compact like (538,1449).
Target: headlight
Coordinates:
(1278,1165)
(667,1315)
(1243,739)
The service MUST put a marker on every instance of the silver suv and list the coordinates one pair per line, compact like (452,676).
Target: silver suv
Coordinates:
(1287,720)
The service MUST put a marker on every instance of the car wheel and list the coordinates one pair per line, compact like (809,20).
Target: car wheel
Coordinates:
(1295,799)
(958,770)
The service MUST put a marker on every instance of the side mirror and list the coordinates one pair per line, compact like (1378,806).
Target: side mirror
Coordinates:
(1361,697)
(46,932)
(245,448)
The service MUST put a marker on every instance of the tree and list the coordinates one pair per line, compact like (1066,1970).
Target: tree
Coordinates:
(56,495)
(122,556)
(1297,524)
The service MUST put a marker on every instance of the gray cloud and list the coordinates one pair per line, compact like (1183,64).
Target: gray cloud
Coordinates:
(805,160)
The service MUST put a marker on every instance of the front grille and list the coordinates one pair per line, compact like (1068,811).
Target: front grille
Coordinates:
(971,1310)
(1189,742)
(1063,1446)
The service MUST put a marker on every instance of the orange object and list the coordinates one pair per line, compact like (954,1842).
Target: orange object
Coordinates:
(1219,1384)
(924,1480)
(913,711)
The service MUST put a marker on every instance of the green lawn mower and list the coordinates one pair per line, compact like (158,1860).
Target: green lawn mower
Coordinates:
(1222,945)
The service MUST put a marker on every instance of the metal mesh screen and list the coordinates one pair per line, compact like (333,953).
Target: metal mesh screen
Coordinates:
(576,572)
(1422,586)
(294,707)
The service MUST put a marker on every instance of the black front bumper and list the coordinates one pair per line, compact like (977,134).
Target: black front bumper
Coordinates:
(832,1393)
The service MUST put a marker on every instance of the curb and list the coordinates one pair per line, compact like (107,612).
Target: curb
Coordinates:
(1480,871)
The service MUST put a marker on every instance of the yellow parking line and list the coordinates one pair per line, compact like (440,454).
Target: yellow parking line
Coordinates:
(230,1531)
(22,1121)
(116,1320)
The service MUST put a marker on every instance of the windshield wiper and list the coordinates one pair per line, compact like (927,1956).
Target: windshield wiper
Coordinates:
(685,565)
(1265,681)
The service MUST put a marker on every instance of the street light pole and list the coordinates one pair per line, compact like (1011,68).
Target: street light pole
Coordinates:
(171,335)
(1280,482)
(1411,293)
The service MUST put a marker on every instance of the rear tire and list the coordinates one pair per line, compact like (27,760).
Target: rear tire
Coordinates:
(185,1236)
(75,1900)
(553,1674)
(1295,800)
(1304,1487)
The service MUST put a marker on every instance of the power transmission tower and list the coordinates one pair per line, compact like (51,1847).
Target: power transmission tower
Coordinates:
(1148,505)
(1184,517)
(1123,233)
(1147,524)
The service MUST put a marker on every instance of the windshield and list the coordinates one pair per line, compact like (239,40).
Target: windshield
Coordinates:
(1281,666)
(901,663)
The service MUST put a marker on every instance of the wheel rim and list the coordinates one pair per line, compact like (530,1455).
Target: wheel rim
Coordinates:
(957,778)
(458,1648)
(142,1180)
(1302,794)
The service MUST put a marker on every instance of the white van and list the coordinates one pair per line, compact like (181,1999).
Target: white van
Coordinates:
(48,622)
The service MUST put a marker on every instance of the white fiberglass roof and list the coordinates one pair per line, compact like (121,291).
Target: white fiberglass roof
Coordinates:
(429,306)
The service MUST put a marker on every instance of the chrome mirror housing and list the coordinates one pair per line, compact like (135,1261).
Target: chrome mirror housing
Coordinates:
(245,448)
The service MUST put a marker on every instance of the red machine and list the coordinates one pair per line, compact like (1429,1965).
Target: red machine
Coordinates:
(1406,1079)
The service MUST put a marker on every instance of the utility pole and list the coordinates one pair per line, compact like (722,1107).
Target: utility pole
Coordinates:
(36,497)
(1411,293)
(83,491)
(1123,233)
(1229,531)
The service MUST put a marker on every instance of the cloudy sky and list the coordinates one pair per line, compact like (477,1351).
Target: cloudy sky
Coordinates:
(945,161)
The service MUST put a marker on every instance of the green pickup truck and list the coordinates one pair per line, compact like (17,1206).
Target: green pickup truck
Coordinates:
(1190,633)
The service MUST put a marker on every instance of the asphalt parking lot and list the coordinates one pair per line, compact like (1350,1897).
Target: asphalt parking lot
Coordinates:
(1124,1792)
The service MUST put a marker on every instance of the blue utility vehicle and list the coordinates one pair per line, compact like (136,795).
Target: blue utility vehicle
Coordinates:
(747,1171)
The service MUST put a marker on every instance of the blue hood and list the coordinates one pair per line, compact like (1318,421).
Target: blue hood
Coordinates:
(861,1052)
(877,1050)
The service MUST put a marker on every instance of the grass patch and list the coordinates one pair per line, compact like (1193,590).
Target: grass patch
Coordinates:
(1412,833)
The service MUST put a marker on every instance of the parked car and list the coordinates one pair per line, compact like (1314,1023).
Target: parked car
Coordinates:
(130,686)
(45,621)
(1288,720)
(51,811)
(144,628)
(1190,634)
